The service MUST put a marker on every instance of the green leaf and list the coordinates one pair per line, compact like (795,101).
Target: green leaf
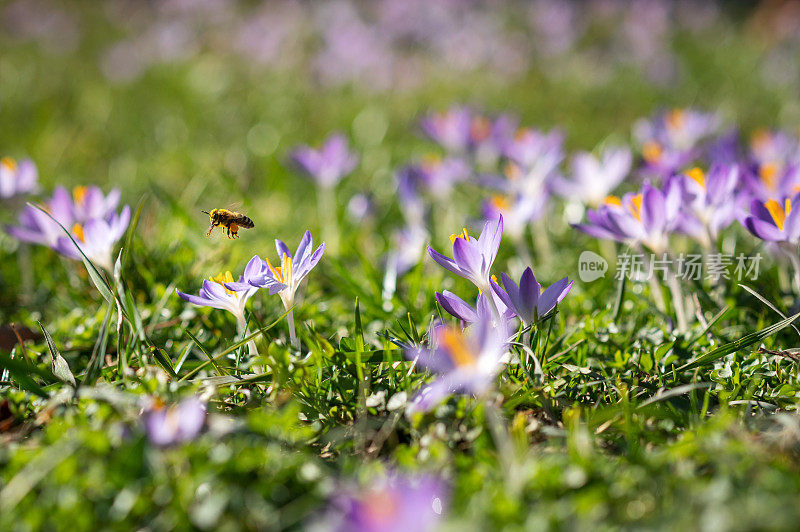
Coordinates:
(745,341)
(22,371)
(59,366)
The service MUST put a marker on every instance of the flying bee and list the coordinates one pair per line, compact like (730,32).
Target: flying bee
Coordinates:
(230,220)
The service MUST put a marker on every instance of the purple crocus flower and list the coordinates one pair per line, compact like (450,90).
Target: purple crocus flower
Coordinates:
(285,279)
(528,300)
(96,239)
(594,178)
(646,218)
(777,179)
(775,221)
(328,165)
(450,129)
(440,175)
(531,148)
(473,259)
(670,140)
(171,425)
(462,310)
(216,294)
(517,210)
(17,179)
(710,202)
(393,503)
(87,213)
(464,361)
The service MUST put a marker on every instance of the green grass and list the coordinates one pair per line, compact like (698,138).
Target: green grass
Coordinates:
(629,425)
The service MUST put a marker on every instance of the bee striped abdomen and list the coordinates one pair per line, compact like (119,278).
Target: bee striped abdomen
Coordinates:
(244,221)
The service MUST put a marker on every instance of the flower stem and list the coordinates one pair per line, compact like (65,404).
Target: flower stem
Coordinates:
(326,208)
(292,336)
(677,302)
(796,267)
(241,327)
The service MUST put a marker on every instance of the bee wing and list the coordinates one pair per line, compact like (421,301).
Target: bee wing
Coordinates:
(235,206)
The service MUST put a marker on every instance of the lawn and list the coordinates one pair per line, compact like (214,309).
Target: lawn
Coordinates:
(513,265)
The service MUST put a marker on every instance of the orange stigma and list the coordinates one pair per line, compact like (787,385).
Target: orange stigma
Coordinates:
(698,175)
(9,163)
(635,207)
(676,119)
(769,175)
(77,230)
(652,151)
(79,194)
(455,343)
(779,213)
(500,203)
(613,200)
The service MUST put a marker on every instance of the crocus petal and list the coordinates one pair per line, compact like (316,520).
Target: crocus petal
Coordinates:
(444,262)
(552,296)
(456,306)
(653,210)
(468,258)
(763,230)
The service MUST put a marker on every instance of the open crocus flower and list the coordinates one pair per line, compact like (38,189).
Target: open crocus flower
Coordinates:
(89,202)
(530,146)
(710,201)
(775,221)
(527,299)
(96,239)
(214,294)
(473,259)
(462,310)
(646,218)
(87,213)
(593,178)
(450,129)
(17,179)
(394,503)
(670,140)
(171,425)
(517,210)
(775,179)
(285,279)
(440,175)
(291,272)
(464,361)
(328,165)
(769,147)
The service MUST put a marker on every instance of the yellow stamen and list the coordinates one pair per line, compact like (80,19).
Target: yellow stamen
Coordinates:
(79,194)
(769,175)
(779,213)
(651,151)
(613,200)
(77,230)
(698,175)
(676,119)
(9,163)
(500,203)
(463,235)
(635,207)
(223,278)
(275,271)
(456,345)
(494,278)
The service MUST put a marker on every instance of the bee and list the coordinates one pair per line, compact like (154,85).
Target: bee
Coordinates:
(230,220)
